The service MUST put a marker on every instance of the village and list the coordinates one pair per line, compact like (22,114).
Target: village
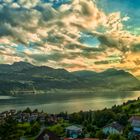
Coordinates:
(63,127)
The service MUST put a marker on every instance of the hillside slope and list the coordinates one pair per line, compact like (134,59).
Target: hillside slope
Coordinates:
(22,77)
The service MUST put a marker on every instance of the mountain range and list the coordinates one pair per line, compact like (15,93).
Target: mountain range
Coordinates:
(25,78)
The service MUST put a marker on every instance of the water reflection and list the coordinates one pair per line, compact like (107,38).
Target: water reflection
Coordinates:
(70,102)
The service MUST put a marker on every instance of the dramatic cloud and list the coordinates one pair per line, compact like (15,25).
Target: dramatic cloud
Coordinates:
(76,34)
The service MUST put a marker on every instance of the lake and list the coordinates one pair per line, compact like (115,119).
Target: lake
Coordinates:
(70,102)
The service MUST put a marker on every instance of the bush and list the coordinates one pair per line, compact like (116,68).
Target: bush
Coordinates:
(100,135)
(116,137)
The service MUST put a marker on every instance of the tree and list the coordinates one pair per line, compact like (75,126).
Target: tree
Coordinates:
(90,128)
(116,137)
(57,129)
(35,111)
(35,128)
(76,118)
(27,110)
(122,118)
(100,135)
(127,130)
(101,118)
(9,130)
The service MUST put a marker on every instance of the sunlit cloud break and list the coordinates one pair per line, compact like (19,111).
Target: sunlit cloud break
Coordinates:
(74,35)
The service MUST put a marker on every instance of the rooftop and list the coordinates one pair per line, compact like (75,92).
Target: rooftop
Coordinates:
(134,118)
(74,127)
(115,125)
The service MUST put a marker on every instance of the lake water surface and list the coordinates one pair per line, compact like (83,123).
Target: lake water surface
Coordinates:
(70,102)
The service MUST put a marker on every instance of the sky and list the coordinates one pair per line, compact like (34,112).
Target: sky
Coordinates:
(72,34)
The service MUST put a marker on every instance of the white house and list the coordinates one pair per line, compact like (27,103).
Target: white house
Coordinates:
(113,128)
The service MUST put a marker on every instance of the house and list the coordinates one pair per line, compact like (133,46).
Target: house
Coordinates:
(135,123)
(33,117)
(113,128)
(5,114)
(42,117)
(52,119)
(47,135)
(12,111)
(74,131)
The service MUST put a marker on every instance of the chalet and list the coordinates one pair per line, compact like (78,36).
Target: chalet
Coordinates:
(135,123)
(74,131)
(113,128)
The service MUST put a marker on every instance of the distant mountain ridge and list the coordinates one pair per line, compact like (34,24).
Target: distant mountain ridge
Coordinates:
(17,66)
(25,78)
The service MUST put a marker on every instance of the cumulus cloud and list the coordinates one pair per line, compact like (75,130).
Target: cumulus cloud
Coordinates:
(52,36)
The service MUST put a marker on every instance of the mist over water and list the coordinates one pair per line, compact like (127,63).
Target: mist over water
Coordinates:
(70,102)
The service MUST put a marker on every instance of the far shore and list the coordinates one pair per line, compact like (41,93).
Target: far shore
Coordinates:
(62,91)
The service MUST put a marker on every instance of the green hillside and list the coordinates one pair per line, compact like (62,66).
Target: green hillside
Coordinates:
(24,78)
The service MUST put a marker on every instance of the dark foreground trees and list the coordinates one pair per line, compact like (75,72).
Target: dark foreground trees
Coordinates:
(10,131)
(116,137)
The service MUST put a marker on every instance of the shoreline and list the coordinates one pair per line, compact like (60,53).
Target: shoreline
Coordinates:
(66,91)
